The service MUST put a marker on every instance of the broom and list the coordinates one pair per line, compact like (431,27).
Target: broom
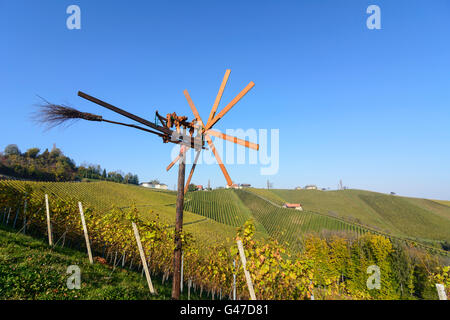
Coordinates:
(54,115)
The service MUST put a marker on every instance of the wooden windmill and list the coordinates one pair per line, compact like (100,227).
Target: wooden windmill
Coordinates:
(205,131)
(183,135)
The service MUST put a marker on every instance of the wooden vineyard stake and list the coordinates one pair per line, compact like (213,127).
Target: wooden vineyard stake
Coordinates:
(15,218)
(49,226)
(25,216)
(234,279)
(247,274)
(441,291)
(189,289)
(7,218)
(86,236)
(182,267)
(143,260)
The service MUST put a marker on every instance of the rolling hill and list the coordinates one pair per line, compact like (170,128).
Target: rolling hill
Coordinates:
(421,219)
(101,196)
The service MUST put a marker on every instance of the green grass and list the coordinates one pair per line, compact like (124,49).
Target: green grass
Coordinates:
(30,269)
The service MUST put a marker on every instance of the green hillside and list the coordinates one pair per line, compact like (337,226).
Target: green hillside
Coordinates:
(288,225)
(444,202)
(213,216)
(220,205)
(223,206)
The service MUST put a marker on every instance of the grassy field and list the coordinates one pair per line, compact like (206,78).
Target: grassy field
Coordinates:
(30,269)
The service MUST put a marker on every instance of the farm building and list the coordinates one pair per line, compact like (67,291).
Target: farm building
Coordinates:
(161,186)
(311,187)
(199,187)
(298,188)
(296,206)
(239,186)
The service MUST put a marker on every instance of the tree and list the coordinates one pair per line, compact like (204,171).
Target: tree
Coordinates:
(12,149)
(104,176)
(192,187)
(32,153)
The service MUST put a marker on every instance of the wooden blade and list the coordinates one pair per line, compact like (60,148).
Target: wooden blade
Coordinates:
(192,172)
(193,108)
(241,142)
(219,96)
(183,150)
(219,160)
(230,105)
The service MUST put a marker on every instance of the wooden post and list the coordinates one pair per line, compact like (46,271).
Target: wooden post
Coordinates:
(234,280)
(49,226)
(25,216)
(86,236)
(123,258)
(247,274)
(189,289)
(143,260)
(15,218)
(182,267)
(178,228)
(441,291)
(9,213)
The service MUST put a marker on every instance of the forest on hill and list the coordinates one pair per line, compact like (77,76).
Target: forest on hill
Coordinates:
(54,166)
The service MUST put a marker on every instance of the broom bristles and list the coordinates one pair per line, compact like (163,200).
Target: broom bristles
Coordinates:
(54,115)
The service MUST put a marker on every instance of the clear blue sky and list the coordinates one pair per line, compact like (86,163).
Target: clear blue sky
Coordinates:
(370,107)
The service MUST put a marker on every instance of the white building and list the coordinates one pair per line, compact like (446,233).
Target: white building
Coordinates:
(161,186)
(311,187)
(296,206)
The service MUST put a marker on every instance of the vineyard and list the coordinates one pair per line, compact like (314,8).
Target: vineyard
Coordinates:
(268,195)
(419,219)
(329,269)
(104,196)
(220,205)
(289,225)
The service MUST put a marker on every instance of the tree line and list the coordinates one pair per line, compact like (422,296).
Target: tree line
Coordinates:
(54,166)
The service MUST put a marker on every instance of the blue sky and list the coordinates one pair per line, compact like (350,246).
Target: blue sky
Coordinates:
(370,107)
